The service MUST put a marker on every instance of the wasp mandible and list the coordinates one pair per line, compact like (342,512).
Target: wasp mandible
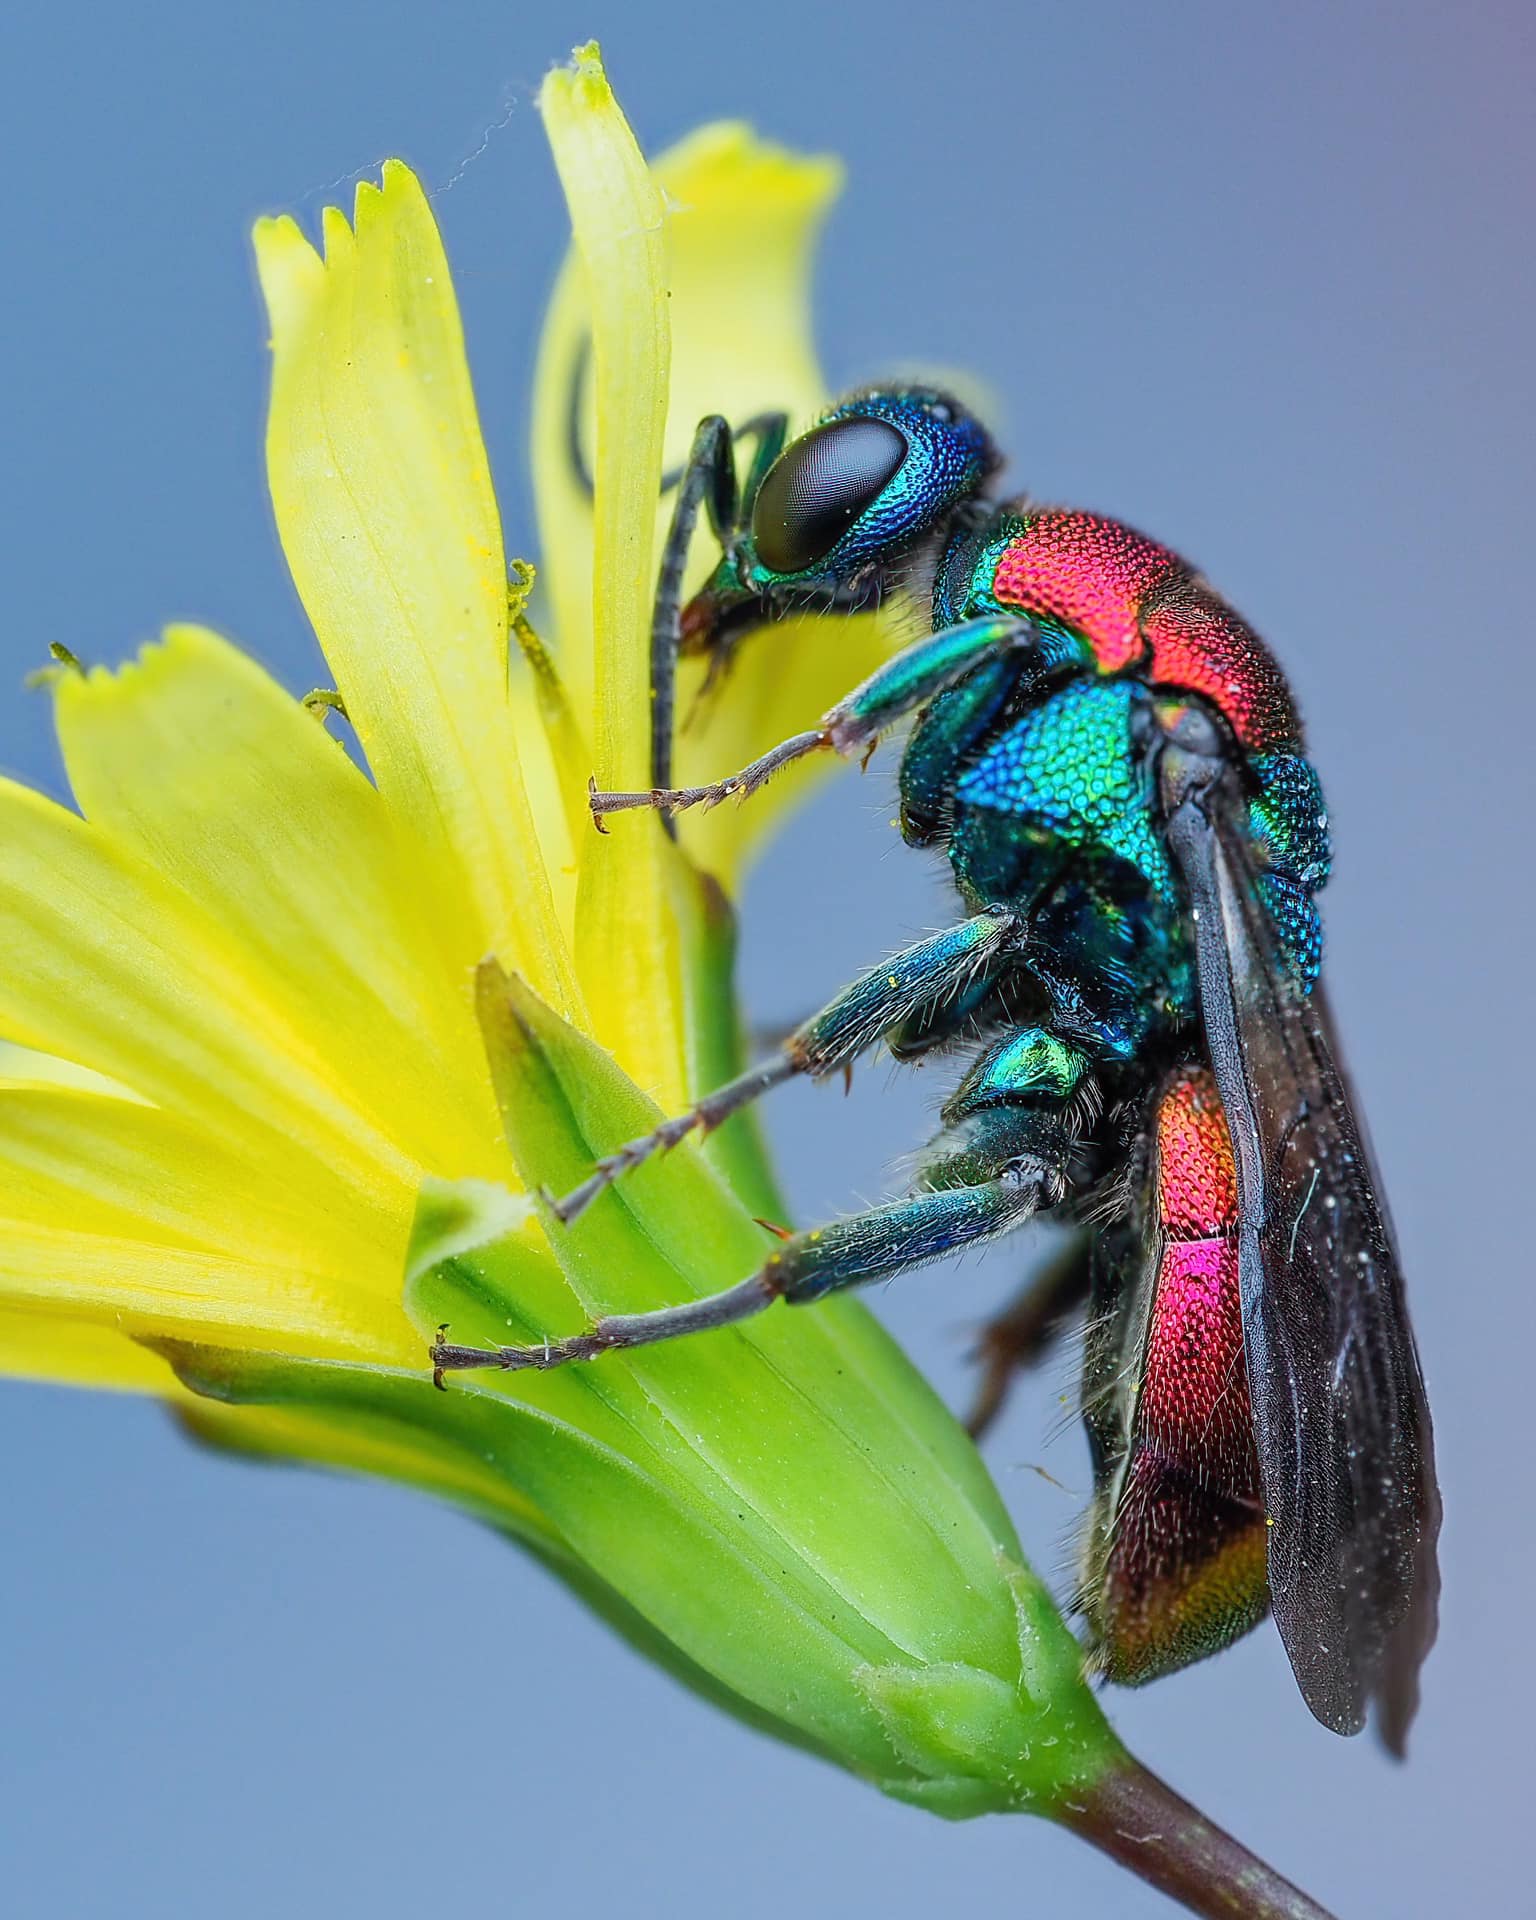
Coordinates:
(1113,763)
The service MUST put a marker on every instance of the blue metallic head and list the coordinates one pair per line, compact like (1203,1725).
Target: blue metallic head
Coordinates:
(875,475)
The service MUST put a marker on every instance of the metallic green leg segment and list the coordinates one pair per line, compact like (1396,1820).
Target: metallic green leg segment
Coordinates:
(878,1000)
(945,734)
(885,1240)
(923,977)
(899,688)
(920,672)
(1029,1064)
(907,1233)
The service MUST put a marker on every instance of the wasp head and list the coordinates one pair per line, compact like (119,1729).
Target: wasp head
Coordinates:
(843,508)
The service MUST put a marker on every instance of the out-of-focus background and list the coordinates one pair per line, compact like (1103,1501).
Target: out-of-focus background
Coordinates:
(1258,280)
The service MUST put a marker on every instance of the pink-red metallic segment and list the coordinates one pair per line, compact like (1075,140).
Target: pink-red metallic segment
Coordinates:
(1142,609)
(1186,1570)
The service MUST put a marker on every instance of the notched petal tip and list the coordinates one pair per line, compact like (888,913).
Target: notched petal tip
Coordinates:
(152,660)
(289,269)
(385,508)
(292,269)
(397,196)
(337,238)
(581,81)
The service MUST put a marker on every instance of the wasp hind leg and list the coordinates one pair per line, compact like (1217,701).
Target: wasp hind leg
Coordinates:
(1032,1083)
(995,1186)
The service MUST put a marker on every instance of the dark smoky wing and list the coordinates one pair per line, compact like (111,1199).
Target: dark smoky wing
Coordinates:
(1340,1417)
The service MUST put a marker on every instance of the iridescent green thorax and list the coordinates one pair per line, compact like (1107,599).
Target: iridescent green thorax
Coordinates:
(1114,604)
(1071,769)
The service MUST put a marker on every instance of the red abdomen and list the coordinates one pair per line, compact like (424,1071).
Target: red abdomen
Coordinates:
(1186,1572)
(1143,610)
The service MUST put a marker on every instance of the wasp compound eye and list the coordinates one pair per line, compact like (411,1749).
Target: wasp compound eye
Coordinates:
(819,486)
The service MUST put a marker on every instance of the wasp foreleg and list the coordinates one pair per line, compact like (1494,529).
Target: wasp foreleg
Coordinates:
(708,477)
(923,976)
(906,682)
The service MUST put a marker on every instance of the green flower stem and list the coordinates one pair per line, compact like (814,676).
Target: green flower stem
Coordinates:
(1142,1823)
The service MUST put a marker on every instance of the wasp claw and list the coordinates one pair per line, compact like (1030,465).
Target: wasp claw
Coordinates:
(592,807)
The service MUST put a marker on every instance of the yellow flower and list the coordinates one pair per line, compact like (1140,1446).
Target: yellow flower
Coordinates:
(288,1050)
(237,1007)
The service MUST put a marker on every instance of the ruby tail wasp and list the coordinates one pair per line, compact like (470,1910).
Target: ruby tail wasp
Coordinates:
(1112,761)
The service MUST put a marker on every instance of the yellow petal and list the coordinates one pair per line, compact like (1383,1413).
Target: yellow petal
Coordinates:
(626,941)
(743,220)
(110,966)
(122,1215)
(148,1290)
(26,1067)
(80,1353)
(745,217)
(411,1456)
(200,764)
(386,513)
(119,1169)
(618,222)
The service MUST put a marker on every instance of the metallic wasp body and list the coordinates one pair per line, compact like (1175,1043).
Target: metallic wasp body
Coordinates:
(1113,764)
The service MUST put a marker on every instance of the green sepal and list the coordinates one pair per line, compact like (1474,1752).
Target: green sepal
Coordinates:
(957,1727)
(565,1102)
(381,1445)
(783,1506)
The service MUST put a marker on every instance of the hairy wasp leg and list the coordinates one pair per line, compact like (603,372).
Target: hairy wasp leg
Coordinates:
(885,1240)
(670,800)
(884,997)
(906,682)
(703,1117)
(1021,1333)
(613,1330)
(1032,1093)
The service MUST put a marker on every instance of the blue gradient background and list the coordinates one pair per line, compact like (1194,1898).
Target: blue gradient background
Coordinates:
(1260,281)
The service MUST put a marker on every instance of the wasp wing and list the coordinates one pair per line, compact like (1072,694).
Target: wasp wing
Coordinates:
(1340,1417)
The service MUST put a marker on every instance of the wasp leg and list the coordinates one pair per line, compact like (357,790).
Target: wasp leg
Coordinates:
(1020,1335)
(709,477)
(885,1240)
(905,683)
(939,1024)
(887,995)
(1032,1089)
